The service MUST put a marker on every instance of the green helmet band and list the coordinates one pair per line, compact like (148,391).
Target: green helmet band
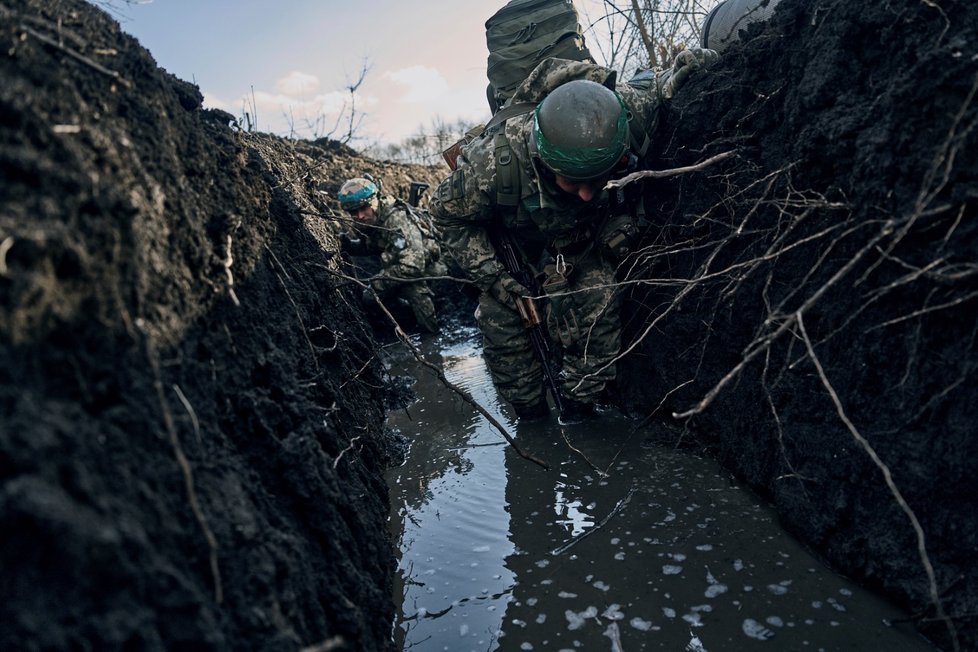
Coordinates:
(582,163)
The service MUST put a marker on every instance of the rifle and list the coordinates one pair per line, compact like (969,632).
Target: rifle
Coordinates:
(528,309)
(417,189)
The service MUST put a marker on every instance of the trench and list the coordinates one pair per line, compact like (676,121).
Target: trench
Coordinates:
(620,546)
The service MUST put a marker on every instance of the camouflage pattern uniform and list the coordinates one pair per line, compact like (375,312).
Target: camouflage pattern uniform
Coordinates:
(408,248)
(588,238)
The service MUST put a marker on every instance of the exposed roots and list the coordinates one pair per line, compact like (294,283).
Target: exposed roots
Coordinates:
(891,485)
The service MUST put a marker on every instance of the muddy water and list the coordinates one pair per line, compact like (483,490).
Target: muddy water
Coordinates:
(619,546)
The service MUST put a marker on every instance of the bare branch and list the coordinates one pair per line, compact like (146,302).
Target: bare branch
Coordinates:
(661,174)
(441,374)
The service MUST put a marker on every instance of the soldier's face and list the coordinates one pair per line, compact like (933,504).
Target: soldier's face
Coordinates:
(583,190)
(364,215)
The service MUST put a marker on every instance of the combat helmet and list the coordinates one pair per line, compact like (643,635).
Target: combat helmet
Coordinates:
(357,193)
(580,130)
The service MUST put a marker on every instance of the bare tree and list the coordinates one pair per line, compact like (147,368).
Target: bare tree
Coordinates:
(627,36)
(426,144)
(354,118)
(117,7)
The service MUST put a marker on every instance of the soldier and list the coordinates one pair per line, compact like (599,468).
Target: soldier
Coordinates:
(538,171)
(405,242)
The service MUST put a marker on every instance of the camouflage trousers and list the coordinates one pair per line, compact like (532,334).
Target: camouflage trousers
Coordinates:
(418,296)
(583,320)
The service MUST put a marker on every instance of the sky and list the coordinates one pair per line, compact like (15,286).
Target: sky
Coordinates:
(291,61)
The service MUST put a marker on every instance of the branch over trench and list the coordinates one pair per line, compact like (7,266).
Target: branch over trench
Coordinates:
(403,336)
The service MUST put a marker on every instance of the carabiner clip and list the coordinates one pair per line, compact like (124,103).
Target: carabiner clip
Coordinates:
(561,264)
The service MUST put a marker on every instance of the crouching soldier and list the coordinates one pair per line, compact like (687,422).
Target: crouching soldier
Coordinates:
(405,241)
(536,177)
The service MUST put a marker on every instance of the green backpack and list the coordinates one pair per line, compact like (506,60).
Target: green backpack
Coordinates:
(521,35)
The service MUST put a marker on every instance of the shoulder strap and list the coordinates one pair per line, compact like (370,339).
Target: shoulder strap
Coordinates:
(639,138)
(509,111)
(507,176)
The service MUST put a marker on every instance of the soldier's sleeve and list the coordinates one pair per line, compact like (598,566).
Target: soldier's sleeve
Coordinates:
(462,208)
(643,107)
(404,252)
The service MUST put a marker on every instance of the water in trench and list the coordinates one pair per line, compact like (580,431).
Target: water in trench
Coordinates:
(619,546)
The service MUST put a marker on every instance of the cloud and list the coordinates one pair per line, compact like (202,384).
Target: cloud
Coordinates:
(214,102)
(393,105)
(294,107)
(422,84)
(297,84)
(314,117)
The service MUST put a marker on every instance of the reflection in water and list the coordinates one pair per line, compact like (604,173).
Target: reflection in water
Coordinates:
(616,547)
(449,512)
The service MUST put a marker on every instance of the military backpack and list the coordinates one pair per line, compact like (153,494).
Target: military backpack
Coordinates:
(521,35)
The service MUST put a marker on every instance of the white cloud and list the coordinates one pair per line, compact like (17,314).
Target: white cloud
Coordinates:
(294,108)
(214,102)
(392,105)
(313,117)
(422,84)
(297,84)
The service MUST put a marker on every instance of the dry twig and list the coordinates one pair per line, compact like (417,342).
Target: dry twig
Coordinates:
(295,306)
(75,55)
(190,410)
(441,375)
(188,477)
(661,174)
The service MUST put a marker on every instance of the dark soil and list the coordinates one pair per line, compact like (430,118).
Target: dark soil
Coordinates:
(192,444)
(851,201)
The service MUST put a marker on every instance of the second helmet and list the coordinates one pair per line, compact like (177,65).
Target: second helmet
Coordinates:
(357,193)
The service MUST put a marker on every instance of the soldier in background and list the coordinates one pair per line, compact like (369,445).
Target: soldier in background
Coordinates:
(405,242)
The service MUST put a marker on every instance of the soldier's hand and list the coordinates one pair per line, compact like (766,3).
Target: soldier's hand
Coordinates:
(686,63)
(505,287)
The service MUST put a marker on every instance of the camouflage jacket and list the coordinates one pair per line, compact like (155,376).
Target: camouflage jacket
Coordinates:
(464,204)
(404,240)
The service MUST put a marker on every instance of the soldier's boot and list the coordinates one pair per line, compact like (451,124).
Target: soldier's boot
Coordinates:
(424,314)
(575,411)
(532,411)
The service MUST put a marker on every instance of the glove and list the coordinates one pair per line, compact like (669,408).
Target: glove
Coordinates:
(687,62)
(505,286)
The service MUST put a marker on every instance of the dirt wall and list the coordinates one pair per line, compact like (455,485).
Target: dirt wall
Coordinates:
(808,306)
(191,446)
